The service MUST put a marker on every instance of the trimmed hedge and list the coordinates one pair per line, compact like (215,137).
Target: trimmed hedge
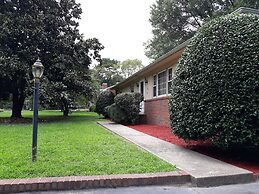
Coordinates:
(125,110)
(215,90)
(106,98)
(117,114)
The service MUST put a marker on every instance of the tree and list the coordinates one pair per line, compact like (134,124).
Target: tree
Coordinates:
(51,27)
(174,21)
(4,95)
(75,80)
(108,71)
(215,91)
(112,71)
(130,66)
(245,3)
(105,98)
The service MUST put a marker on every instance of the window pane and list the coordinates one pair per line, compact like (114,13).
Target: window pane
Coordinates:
(154,80)
(161,83)
(154,85)
(154,91)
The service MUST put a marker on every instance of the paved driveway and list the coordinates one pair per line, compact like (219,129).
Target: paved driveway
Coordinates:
(251,188)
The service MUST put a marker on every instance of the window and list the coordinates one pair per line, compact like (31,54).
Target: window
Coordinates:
(161,82)
(154,85)
(170,77)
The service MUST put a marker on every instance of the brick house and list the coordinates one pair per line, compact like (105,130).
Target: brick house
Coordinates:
(154,83)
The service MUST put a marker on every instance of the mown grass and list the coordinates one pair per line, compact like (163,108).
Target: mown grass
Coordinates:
(72,146)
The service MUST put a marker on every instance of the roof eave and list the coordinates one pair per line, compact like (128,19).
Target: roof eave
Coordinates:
(140,72)
(246,10)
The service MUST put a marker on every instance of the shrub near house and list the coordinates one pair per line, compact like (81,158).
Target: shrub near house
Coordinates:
(106,98)
(215,90)
(126,108)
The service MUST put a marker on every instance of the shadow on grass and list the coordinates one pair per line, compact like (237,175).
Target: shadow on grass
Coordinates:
(74,117)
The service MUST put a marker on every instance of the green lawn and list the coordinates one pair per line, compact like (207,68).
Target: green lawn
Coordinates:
(72,146)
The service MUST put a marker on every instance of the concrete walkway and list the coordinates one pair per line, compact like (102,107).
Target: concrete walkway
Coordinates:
(204,170)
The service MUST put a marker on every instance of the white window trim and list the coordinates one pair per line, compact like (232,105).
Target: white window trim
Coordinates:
(154,86)
(167,89)
(165,70)
(167,80)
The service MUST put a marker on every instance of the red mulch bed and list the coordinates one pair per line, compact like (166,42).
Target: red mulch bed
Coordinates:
(245,159)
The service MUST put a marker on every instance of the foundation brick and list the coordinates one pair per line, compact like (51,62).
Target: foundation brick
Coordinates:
(68,183)
(156,111)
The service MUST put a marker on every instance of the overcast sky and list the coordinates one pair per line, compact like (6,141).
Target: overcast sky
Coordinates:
(122,26)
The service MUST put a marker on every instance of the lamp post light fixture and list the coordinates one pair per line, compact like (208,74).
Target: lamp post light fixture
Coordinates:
(37,71)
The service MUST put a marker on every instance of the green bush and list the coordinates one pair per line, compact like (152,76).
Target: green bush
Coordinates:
(106,98)
(125,110)
(117,114)
(215,90)
(138,97)
(129,103)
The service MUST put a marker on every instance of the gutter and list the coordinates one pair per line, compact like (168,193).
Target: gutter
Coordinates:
(246,10)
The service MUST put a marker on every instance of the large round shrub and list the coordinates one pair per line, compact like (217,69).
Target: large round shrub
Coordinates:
(215,90)
(130,104)
(125,109)
(106,98)
(117,114)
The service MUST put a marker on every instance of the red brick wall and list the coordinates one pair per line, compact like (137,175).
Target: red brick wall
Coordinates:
(156,111)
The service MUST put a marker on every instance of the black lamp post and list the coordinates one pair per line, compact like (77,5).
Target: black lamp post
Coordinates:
(37,71)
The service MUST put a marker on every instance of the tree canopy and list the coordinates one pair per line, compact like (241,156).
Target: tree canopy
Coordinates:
(52,28)
(108,71)
(130,66)
(112,71)
(174,21)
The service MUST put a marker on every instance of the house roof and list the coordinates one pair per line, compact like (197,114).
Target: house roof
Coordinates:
(158,61)
(246,10)
(151,66)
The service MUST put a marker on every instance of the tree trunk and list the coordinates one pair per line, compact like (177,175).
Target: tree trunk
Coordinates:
(65,112)
(18,102)
(65,108)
